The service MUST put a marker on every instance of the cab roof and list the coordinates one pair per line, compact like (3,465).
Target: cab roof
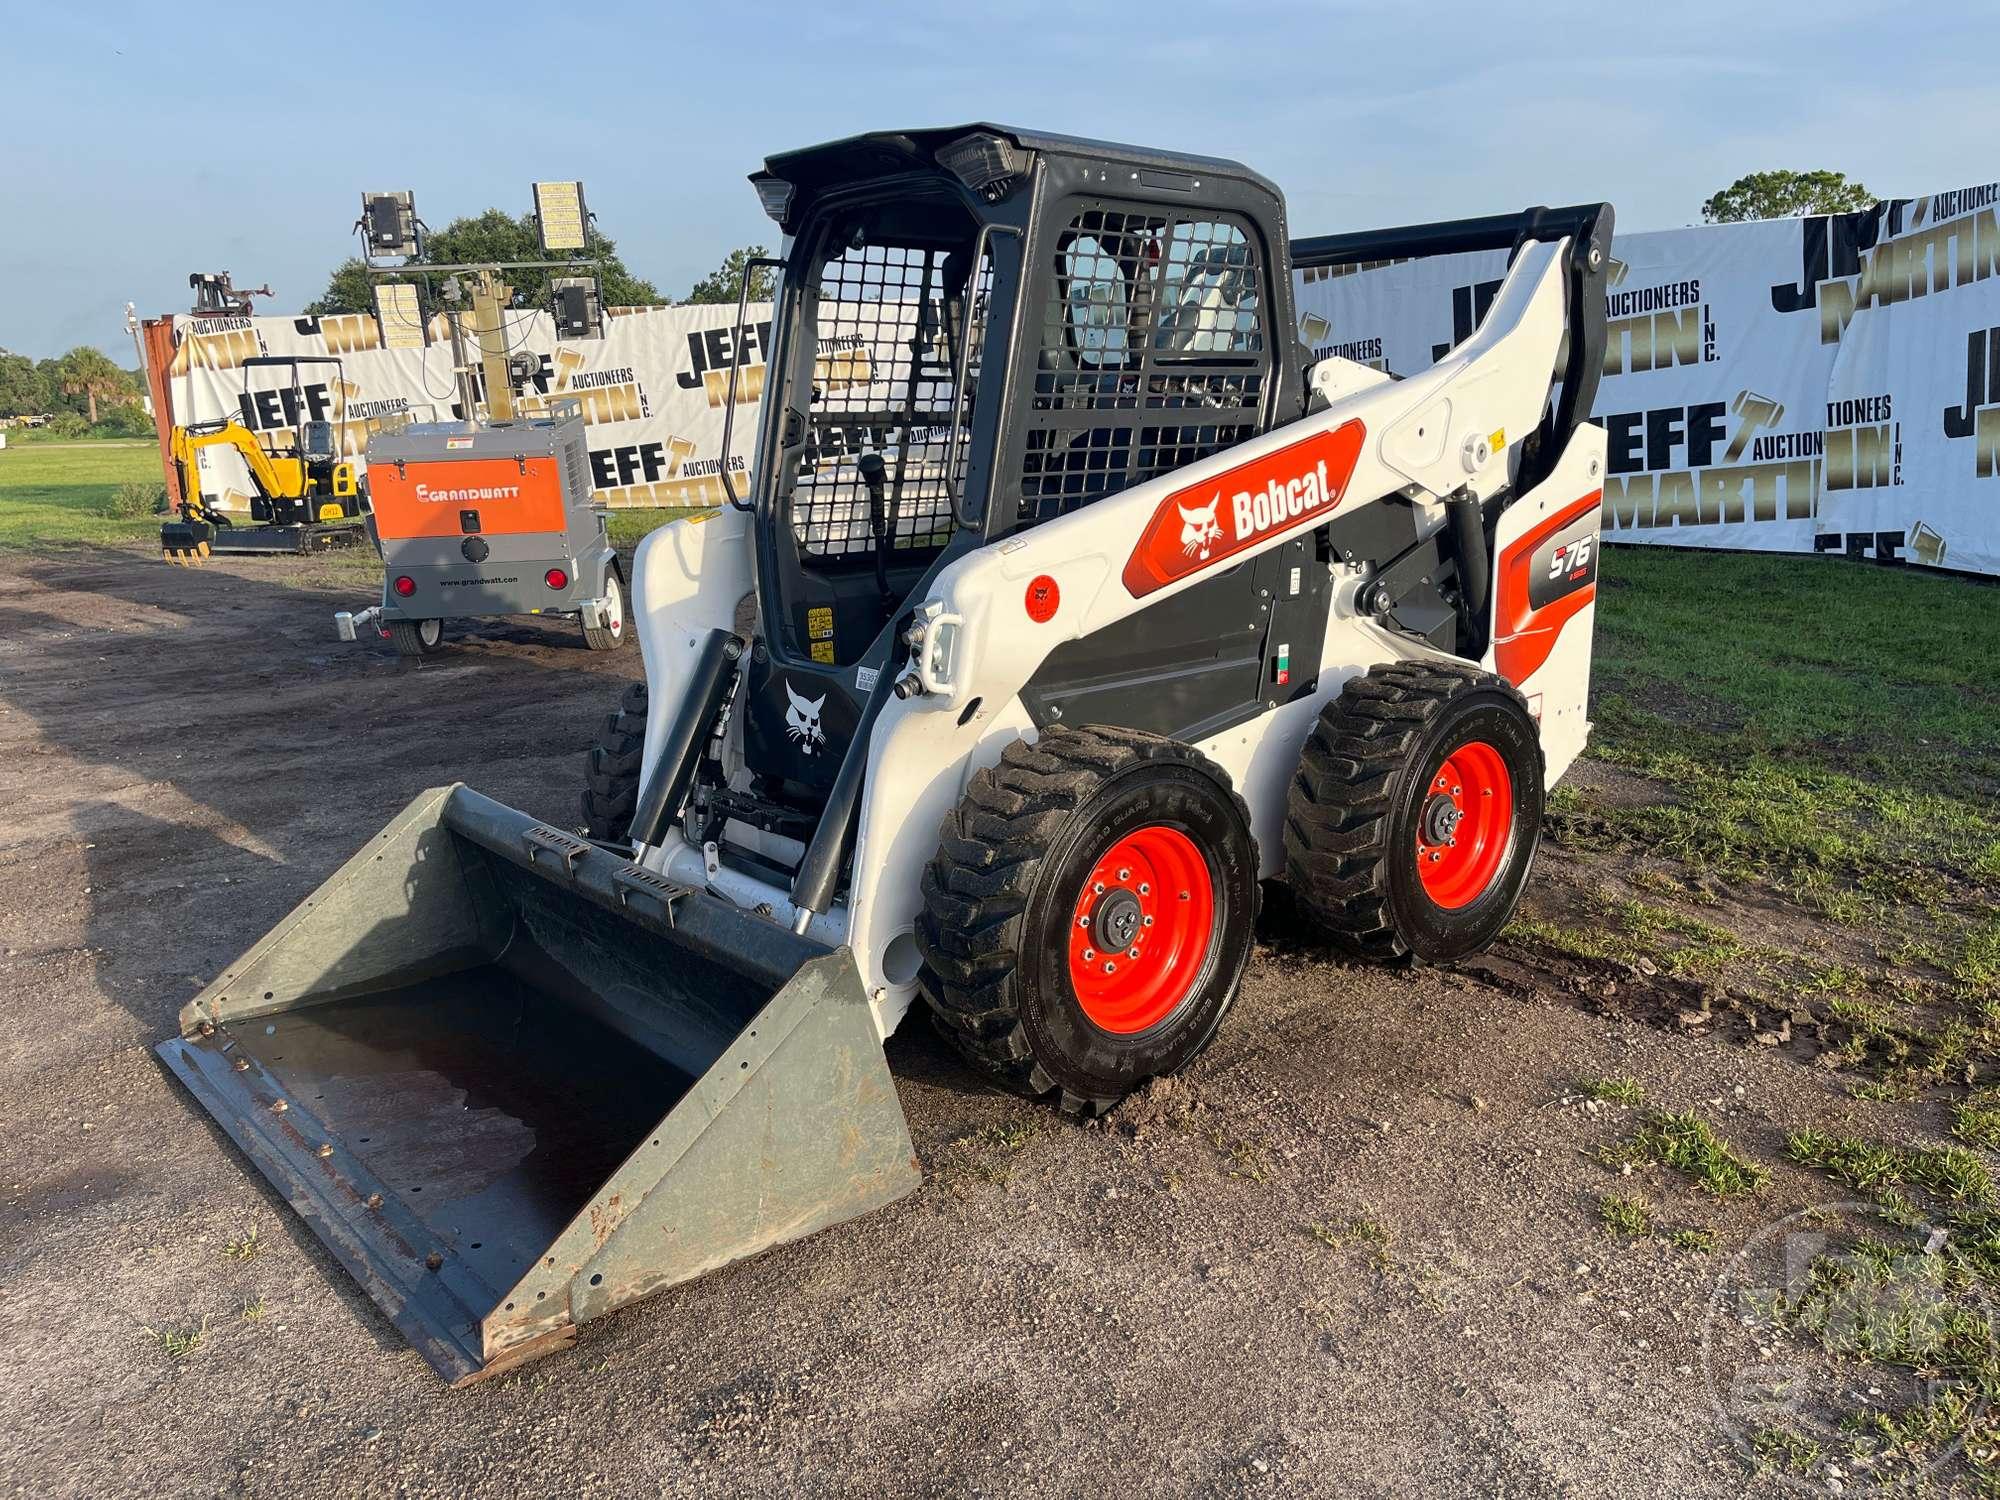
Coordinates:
(881,153)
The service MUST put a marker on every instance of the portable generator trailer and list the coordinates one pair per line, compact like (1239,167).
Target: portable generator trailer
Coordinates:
(488,518)
(1129,606)
(304,500)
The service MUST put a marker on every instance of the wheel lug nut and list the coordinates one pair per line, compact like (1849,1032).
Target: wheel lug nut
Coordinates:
(1098,888)
(1089,954)
(1145,889)
(1148,921)
(1124,874)
(1131,952)
(1111,968)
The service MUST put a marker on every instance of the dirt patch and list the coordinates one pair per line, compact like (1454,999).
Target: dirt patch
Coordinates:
(1357,1250)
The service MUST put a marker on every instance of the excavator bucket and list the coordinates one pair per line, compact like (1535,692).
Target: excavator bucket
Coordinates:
(513,1081)
(185,542)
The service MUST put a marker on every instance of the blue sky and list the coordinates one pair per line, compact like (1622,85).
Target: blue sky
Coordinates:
(145,142)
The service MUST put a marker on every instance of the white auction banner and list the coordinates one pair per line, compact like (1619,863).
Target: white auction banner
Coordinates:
(1787,385)
(654,389)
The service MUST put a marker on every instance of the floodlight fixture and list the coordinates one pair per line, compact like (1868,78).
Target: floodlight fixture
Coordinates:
(578,311)
(400,316)
(988,164)
(389,225)
(775,194)
(561,217)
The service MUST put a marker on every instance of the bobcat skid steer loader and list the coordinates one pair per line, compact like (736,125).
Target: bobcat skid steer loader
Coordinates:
(1068,599)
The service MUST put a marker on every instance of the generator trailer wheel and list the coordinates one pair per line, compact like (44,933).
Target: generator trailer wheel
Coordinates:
(611,771)
(415,637)
(1089,913)
(1416,811)
(611,634)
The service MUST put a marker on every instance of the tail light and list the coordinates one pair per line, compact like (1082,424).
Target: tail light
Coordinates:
(556,578)
(406,586)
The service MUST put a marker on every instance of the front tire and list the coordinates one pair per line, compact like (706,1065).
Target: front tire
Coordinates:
(1089,913)
(611,772)
(1416,812)
(416,637)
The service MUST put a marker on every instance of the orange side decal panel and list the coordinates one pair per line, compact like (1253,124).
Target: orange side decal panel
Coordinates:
(505,497)
(1197,527)
(1546,579)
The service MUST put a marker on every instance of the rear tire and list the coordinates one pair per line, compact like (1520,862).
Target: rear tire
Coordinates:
(416,637)
(1416,812)
(1057,865)
(611,770)
(611,635)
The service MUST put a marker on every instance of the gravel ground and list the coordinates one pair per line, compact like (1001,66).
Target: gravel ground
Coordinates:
(1354,1251)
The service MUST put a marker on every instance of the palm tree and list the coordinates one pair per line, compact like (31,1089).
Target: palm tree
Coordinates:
(89,373)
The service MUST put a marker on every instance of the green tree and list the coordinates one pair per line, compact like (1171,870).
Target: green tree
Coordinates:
(488,238)
(24,390)
(725,282)
(127,419)
(89,374)
(1785,195)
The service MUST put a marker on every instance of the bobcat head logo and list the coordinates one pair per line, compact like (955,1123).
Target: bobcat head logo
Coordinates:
(1199,528)
(802,719)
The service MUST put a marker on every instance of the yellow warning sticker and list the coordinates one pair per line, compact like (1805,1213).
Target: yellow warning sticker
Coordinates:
(1498,439)
(823,651)
(819,623)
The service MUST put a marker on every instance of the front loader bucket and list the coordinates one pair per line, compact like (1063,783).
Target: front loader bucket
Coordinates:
(513,1081)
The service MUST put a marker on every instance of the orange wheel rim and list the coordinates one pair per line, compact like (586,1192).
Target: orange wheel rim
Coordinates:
(1465,826)
(1141,930)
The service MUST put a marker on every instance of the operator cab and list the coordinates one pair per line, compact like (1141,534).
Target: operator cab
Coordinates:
(316,444)
(979,329)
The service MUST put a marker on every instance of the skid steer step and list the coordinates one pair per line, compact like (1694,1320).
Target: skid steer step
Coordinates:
(512,1081)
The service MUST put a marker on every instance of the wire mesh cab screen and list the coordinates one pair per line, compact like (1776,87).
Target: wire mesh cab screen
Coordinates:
(890,321)
(1154,353)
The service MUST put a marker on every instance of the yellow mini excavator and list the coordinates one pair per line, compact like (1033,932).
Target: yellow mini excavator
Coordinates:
(305,500)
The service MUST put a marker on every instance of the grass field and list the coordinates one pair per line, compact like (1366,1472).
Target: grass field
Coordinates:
(1815,721)
(53,492)
(1887,672)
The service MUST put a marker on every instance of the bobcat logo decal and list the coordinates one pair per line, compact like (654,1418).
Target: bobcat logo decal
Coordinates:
(1199,528)
(802,719)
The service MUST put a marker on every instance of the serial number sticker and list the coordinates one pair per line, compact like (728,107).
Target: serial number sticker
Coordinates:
(864,679)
